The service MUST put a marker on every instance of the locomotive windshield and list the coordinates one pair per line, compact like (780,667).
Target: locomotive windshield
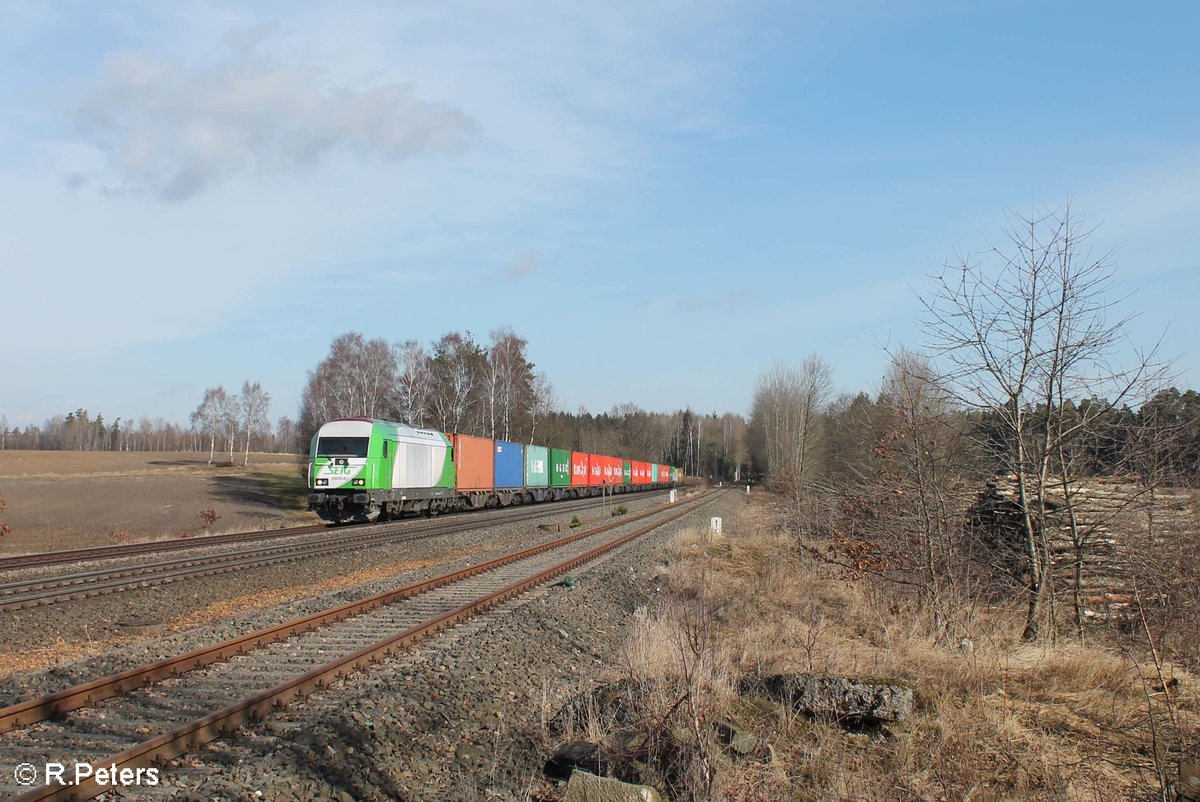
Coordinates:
(342,446)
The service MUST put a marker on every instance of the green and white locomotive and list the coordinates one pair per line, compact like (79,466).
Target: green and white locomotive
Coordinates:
(365,470)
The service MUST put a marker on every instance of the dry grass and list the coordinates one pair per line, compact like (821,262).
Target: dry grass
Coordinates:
(995,719)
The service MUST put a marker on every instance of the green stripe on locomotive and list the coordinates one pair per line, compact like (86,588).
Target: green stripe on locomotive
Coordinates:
(379,455)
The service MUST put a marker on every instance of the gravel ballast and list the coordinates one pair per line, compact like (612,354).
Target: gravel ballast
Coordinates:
(460,717)
(95,624)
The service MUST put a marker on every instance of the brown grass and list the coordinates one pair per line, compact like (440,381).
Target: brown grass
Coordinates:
(995,719)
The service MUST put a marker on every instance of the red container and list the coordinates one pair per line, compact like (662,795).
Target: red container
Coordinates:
(641,473)
(579,468)
(664,474)
(596,472)
(473,462)
(606,470)
(617,465)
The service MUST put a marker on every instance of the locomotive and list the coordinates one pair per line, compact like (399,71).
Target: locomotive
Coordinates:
(362,469)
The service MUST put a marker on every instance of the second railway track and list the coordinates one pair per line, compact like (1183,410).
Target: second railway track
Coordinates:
(43,590)
(199,696)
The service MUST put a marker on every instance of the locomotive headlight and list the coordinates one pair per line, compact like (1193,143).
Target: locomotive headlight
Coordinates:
(322,483)
(360,482)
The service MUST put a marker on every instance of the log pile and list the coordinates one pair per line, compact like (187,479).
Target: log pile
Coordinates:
(1097,526)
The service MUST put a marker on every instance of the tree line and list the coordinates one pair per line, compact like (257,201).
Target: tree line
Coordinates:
(79,431)
(455,384)
(491,389)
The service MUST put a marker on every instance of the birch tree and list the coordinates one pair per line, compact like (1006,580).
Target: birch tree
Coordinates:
(414,381)
(356,380)
(254,404)
(457,365)
(507,381)
(208,417)
(230,421)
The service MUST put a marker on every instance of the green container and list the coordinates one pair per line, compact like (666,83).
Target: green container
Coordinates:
(653,473)
(626,473)
(537,466)
(560,467)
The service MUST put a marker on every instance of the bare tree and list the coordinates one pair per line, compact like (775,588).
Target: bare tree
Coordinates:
(508,379)
(1020,334)
(788,428)
(357,379)
(230,421)
(254,403)
(918,457)
(786,412)
(543,401)
(286,435)
(457,365)
(208,417)
(413,383)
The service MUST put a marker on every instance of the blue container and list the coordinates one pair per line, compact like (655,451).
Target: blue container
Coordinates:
(510,465)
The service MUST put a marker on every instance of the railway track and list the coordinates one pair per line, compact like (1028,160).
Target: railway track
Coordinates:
(44,590)
(200,696)
(48,558)
(112,552)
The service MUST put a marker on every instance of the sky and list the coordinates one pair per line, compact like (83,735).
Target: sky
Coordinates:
(663,197)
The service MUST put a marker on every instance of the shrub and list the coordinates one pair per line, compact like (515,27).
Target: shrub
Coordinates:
(575,521)
(620,510)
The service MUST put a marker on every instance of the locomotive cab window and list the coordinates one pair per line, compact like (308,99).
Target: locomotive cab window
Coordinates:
(342,446)
(385,449)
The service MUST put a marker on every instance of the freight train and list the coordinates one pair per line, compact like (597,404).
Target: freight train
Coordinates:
(362,470)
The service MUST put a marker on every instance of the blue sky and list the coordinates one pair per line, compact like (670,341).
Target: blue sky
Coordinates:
(194,194)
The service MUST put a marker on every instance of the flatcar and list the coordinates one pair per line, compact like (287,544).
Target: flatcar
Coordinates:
(362,469)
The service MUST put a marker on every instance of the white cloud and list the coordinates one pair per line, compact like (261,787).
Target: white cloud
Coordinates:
(522,266)
(317,146)
(172,131)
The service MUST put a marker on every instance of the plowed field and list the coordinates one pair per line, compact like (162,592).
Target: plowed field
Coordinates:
(62,499)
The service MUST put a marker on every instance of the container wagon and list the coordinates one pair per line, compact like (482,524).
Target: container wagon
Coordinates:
(361,469)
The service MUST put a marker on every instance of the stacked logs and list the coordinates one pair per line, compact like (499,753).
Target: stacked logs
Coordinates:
(1096,530)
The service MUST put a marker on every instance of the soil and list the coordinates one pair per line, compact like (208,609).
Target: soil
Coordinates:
(67,499)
